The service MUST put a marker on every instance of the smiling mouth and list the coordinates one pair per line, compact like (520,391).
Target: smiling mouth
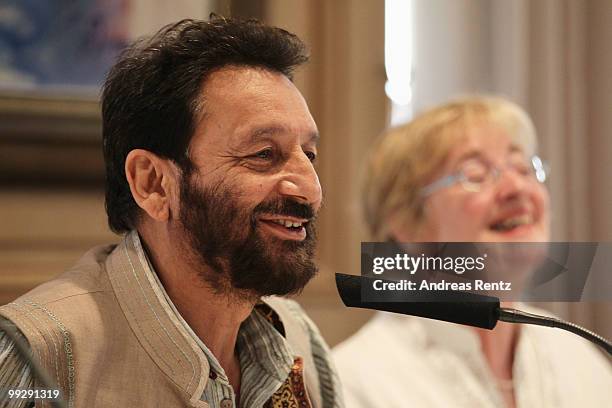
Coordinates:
(285,228)
(513,223)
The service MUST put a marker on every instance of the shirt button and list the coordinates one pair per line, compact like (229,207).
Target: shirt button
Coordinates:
(226,403)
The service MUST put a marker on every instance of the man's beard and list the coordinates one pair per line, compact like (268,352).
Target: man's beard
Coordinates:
(236,258)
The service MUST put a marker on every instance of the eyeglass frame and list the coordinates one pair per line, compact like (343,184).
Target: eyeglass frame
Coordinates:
(540,171)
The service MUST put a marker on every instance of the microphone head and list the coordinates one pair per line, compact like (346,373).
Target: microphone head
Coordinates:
(449,306)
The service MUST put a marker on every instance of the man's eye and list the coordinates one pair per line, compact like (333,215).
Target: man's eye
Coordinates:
(311,156)
(264,154)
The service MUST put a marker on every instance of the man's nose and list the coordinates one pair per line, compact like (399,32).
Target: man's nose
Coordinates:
(299,180)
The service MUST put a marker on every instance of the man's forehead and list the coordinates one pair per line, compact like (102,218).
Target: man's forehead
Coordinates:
(250,135)
(244,105)
(233,82)
(257,133)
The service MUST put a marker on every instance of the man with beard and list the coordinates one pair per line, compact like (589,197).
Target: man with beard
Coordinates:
(209,151)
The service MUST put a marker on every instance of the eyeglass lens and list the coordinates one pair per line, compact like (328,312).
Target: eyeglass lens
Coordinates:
(477,173)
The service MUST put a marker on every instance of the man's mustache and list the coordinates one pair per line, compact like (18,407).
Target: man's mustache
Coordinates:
(287,207)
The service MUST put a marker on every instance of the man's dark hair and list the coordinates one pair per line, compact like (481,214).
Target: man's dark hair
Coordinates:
(150,98)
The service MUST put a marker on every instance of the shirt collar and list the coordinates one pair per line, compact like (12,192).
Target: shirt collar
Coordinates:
(257,335)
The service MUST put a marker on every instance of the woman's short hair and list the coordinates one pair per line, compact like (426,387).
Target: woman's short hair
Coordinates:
(406,158)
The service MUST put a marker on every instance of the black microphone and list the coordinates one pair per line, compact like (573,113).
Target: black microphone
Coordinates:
(457,307)
(450,306)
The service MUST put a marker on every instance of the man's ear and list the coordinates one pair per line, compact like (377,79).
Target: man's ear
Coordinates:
(152,182)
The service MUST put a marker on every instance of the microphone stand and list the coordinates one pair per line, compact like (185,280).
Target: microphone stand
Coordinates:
(517,316)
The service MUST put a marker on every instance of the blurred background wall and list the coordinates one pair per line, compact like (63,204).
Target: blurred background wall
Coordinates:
(551,56)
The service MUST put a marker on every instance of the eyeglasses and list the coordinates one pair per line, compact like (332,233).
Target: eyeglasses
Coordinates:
(476,174)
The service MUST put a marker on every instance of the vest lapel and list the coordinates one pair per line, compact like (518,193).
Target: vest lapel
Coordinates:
(153,322)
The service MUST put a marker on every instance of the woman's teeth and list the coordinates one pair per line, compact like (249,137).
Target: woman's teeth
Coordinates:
(513,222)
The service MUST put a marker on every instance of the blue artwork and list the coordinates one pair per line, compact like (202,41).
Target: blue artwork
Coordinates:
(59,43)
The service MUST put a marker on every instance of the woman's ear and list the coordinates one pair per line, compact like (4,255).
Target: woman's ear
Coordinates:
(153,182)
(399,234)
(401,230)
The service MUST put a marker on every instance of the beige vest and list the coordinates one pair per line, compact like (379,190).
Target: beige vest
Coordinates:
(108,338)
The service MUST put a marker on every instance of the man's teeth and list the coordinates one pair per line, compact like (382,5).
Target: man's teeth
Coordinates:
(513,222)
(287,223)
